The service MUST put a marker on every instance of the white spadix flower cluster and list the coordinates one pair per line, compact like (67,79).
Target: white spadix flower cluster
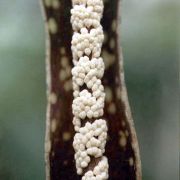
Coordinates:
(88,104)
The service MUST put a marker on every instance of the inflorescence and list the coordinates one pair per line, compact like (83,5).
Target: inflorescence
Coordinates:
(88,104)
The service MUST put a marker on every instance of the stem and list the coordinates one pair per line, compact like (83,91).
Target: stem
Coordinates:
(122,148)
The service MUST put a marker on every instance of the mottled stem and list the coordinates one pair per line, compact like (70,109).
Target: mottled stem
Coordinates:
(122,148)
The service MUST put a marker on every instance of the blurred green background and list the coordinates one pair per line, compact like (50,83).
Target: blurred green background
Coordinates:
(151,45)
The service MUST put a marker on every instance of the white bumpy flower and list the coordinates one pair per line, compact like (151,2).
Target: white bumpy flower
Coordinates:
(87,43)
(90,139)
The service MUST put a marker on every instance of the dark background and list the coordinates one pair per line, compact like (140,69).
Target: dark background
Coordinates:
(150,40)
